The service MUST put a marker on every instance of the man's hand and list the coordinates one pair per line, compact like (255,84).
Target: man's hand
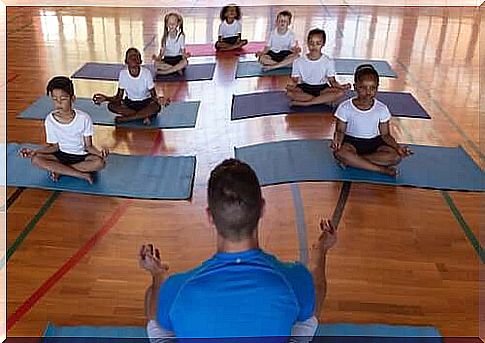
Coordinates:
(149,259)
(328,235)
(104,153)
(404,151)
(99,98)
(163,101)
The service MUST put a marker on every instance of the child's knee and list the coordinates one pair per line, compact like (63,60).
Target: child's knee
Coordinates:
(395,159)
(99,163)
(37,161)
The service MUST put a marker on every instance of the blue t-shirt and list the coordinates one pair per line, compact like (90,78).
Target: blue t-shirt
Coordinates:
(244,294)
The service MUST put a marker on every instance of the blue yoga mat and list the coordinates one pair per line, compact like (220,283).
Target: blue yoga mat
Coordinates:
(111,71)
(343,66)
(277,102)
(312,160)
(348,333)
(175,116)
(142,177)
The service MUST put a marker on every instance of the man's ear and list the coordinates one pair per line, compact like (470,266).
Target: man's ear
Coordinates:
(210,219)
(263,208)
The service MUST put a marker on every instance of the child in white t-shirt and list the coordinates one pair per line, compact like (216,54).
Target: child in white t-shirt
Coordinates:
(229,36)
(70,150)
(141,101)
(172,57)
(313,75)
(281,49)
(362,136)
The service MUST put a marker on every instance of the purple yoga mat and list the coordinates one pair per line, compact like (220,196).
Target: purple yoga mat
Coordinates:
(110,72)
(276,102)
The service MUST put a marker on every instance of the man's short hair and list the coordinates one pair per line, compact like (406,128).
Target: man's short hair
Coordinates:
(235,200)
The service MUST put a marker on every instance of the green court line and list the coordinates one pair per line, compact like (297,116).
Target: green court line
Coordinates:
(464,226)
(32,224)
(14,196)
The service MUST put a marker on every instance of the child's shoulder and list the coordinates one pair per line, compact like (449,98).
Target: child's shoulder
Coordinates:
(346,105)
(379,105)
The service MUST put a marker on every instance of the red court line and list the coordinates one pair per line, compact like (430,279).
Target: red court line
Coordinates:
(13,77)
(71,263)
(44,288)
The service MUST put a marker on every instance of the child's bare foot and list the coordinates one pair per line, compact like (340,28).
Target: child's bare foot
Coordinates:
(341,165)
(54,176)
(299,103)
(88,177)
(391,171)
(147,121)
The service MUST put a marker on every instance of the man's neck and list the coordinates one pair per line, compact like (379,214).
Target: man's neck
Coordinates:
(226,246)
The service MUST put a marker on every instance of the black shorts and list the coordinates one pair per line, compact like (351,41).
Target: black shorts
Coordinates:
(66,158)
(172,60)
(230,40)
(313,90)
(137,105)
(365,146)
(279,56)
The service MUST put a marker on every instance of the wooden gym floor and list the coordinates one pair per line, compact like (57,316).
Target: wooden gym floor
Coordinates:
(403,255)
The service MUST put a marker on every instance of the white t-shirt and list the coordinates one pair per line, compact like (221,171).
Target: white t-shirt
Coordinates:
(70,137)
(277,42)
(313,72)
(230,30)
(136,88)
(174,46)
(363,124)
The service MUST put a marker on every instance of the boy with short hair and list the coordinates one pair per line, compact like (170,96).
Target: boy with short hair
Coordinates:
(70,150)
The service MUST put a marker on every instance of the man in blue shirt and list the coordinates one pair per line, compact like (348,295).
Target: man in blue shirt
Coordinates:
(241,291)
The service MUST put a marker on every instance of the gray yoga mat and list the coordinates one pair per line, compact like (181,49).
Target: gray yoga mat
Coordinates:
(312,160)
(111,71)
(343,66)
(141,177)
(277,102)
(176,115)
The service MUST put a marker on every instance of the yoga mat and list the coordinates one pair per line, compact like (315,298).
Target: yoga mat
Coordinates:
(375,333)
(343,66)
(208,49)
(277,102)
(312,160)
(176,115)
(141,177)
(111,71)
(335,333)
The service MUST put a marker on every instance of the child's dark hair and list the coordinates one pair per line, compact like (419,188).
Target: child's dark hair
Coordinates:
(222,15)
(284,13)
(165,30)
(60,82)
(364,70)
(320,32)
(131,50)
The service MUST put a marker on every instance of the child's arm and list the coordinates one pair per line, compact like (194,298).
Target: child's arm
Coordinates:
(48,149)
(99,98)
(339,135)
(389,140)
(160,54)
(162,100)
(90,148)
(335,84)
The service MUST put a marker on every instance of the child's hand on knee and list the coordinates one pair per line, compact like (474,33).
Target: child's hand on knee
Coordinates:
(163,101)
(404,151)
(104,153)
(99,98)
